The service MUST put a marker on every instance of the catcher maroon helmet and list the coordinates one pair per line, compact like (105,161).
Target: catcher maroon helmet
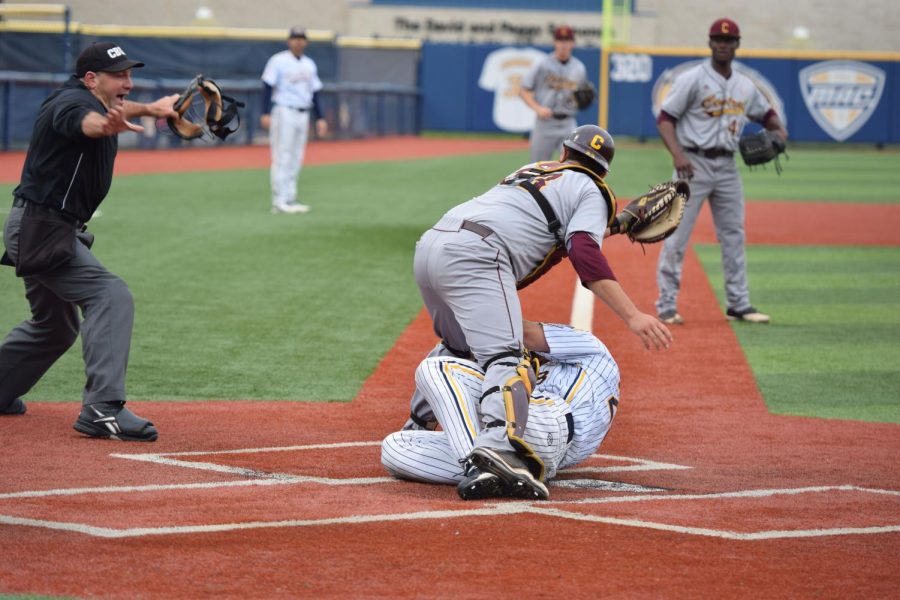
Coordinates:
(595,143)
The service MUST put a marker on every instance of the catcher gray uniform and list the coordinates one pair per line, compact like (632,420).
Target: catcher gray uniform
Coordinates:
(709,110)
(469,265)
(551,83)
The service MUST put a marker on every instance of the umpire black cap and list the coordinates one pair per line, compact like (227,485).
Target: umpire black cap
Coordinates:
(595,143)
(104,56)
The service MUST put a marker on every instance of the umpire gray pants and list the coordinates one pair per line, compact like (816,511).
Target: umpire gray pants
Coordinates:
(55,298)
(718,181)
(469,289)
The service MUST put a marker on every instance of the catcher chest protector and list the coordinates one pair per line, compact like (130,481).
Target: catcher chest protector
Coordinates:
(532,179)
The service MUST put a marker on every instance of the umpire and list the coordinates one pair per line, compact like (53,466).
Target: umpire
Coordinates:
(67,174)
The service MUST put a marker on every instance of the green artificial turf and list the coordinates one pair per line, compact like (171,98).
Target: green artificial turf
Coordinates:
(235,303)
(833,346)
(811,173)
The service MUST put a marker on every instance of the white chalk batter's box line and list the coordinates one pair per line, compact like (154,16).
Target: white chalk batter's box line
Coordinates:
(262,478)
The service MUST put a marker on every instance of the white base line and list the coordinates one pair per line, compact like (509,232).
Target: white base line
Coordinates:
(264,478)
(728,535)
(105,532)
(582,308)
(503,508)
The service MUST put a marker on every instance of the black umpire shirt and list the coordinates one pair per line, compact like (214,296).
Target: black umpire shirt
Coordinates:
(64,169)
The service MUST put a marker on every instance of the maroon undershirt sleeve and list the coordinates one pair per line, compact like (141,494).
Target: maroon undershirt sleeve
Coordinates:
(664,116)
(588,260)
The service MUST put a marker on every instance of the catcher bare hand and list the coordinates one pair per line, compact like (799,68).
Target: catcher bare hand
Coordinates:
(652,217)
(584,95)
(218,111)
(760,148)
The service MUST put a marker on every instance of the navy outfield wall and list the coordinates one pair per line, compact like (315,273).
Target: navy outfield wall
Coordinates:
(453,100)
(834,96)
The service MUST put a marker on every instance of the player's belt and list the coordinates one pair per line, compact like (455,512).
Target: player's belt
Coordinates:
(478,228)
(711,153)
(295,108)
(562,116)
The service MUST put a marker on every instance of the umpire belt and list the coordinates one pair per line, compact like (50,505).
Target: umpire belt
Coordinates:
(710,153)
(19,202)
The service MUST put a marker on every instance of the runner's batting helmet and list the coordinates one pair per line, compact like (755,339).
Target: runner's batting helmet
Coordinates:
(595,143)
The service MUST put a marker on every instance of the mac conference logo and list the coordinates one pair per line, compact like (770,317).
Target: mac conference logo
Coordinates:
(663,85)
(841,95)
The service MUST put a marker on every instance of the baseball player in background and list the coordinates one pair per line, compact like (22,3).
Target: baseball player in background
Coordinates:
(470,264)
(571,409)
(290,93)
(548,90)
(700,123)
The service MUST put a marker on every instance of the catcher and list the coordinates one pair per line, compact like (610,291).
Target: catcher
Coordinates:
(204,110)
(470,264)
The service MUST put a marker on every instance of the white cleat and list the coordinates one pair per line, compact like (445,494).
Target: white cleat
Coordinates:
(293,208)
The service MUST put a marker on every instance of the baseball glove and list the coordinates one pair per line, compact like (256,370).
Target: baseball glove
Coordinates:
(653,217)
(218,111)
(584,95)
(760,148)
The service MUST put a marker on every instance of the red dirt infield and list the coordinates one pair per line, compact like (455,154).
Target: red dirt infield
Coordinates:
(288,499)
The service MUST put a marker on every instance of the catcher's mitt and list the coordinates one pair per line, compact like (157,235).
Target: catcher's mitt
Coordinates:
(218,111)
(653,216)
(760,148)
(584,94)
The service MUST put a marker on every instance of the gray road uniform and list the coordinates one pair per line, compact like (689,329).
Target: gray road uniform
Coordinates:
(552,82)
(710,113)
(470,264)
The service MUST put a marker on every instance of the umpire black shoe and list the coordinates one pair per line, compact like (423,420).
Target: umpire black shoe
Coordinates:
(112,420)
(11,409)
(512,470)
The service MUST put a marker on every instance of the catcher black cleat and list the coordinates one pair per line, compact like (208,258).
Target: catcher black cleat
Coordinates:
(112,420)
(479,485)
(512,471)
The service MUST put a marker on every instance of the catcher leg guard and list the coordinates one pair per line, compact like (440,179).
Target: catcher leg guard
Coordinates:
(516,395)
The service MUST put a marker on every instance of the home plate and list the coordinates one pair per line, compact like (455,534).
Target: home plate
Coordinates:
(606,486)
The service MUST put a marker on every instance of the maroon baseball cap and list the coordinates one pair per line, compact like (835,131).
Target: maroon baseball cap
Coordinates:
(563,32)
(725,28)
(104,56)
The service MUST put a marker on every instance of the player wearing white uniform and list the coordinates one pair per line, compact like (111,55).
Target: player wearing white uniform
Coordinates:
(548,90)
(469,265)
(700,122)
(290,92)
(570,411)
